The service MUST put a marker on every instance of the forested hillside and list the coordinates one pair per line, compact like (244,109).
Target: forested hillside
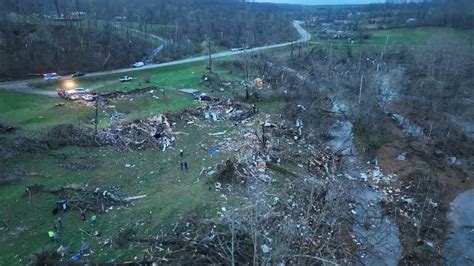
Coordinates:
(28,48)
(186,25)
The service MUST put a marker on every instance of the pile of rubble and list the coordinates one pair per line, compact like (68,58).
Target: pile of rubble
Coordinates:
(97,200)
(152,132)
(121,94)
(83,197)
(223,110)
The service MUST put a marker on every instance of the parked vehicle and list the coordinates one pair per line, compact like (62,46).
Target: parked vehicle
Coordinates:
(138,64)
(82,91)
(73,97)
(51,76)
(71,94)
(78,74)
(204,98)
(89,97)
(125,79)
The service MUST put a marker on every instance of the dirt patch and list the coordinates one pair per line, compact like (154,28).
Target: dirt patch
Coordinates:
(33,190)
(11,177)
(425,185)
(68,134)
(15,147)
(48,257)
(4,128)
(122,94)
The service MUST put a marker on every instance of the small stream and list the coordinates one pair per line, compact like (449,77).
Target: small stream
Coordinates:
(459,248)
(376,235)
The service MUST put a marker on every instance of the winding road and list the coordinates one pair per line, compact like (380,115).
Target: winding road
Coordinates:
(25,86)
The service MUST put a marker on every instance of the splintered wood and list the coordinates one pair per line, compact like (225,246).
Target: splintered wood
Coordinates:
(152,132)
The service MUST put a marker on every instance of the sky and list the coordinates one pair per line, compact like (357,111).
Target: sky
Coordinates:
(323,2)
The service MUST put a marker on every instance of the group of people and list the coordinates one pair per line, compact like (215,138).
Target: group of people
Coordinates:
(58,226)
(184,164)
(58,223)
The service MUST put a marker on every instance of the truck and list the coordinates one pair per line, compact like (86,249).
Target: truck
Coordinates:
(51,76)
(138,64)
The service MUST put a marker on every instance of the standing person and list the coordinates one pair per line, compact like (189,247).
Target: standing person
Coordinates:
(181,153)
(52,236)
(185,166)
(93,220)
(60,223)
(83,216)
(182,166)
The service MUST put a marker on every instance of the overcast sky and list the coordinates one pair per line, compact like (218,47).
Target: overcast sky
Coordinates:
(323,2)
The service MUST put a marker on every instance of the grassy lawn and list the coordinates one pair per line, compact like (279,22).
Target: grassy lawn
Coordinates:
(171,195)
(405,36)
(36,112)
(32,111)
(420,36)
(169,77)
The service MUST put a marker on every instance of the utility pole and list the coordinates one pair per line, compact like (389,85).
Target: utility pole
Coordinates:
(210,54)
(96,119)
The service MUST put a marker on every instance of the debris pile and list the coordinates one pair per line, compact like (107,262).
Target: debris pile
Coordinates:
(68,134)
(18,146)
(223,109)
(122,94)
(152,132)
(98,200)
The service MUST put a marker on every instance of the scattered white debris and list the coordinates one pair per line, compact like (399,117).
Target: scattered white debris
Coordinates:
(265,248)
(218,186)
(402,157)
(218,133)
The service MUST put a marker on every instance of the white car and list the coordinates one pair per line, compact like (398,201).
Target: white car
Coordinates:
(125,79)
(138,64)
(73,97)
(82,91)
(89,97)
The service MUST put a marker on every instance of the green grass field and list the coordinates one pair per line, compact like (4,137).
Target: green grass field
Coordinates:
(32,111)
(171,193)
(35,111)
(170,77)
(416,37)
(420,36)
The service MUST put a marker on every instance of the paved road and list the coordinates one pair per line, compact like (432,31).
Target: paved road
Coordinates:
(25,87)
(155,51)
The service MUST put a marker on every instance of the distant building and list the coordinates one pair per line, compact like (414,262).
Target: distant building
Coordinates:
(120,18)
(312,22)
